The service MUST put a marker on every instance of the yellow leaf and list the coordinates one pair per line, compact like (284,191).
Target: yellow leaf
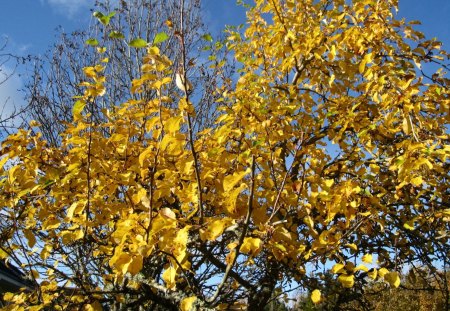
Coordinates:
(90,72)
(169,277)
(45,253)
(383,271)
(51,223)
(251,246)
(361,268)
(231,180)
(173,144)
(8,296)
(117,137)
(135,265)
(409,225)
(188,303)
(307,220)
(231,198)
(30,237)
(417,181)
(173,125)
(367,258)
(333,52)
(332,78)
(352,246)
(186,106)
(168,213)
(215,229)
(77,109)
(78,234)
(120,261)
(12,173)
(96,306)
(372,274)
(75,209)
(337,268)
(3,161)
(316,296)
(144,155)
(329,183)
(347,280)
(362,66)
(392,278)
(3,254)
(34,274)
(137,197)
(407,126)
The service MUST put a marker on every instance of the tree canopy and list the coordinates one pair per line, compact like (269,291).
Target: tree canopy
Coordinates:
(330,150)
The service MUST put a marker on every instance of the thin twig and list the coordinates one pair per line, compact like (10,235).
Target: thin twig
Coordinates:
(190,128)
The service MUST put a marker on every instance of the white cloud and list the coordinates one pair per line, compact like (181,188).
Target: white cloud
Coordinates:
(69,7)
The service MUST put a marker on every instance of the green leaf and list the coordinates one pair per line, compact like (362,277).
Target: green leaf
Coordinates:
(207,37)
(160,37)
(92,42)
(138,43)
(104,19)
(116,35)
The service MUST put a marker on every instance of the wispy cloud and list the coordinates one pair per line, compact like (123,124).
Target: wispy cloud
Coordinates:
(68,7)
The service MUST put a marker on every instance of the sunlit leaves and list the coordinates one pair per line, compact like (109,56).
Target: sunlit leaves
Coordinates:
(350,152)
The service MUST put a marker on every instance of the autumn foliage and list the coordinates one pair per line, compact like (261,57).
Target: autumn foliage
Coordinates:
(331,149)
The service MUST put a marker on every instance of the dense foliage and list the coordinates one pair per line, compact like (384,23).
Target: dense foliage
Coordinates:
(330,152)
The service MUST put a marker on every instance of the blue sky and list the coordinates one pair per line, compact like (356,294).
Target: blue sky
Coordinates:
(30,25)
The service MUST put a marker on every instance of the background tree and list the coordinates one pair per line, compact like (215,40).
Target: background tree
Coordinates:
(56,76)
(10,112)
(418,291)
(331,150)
